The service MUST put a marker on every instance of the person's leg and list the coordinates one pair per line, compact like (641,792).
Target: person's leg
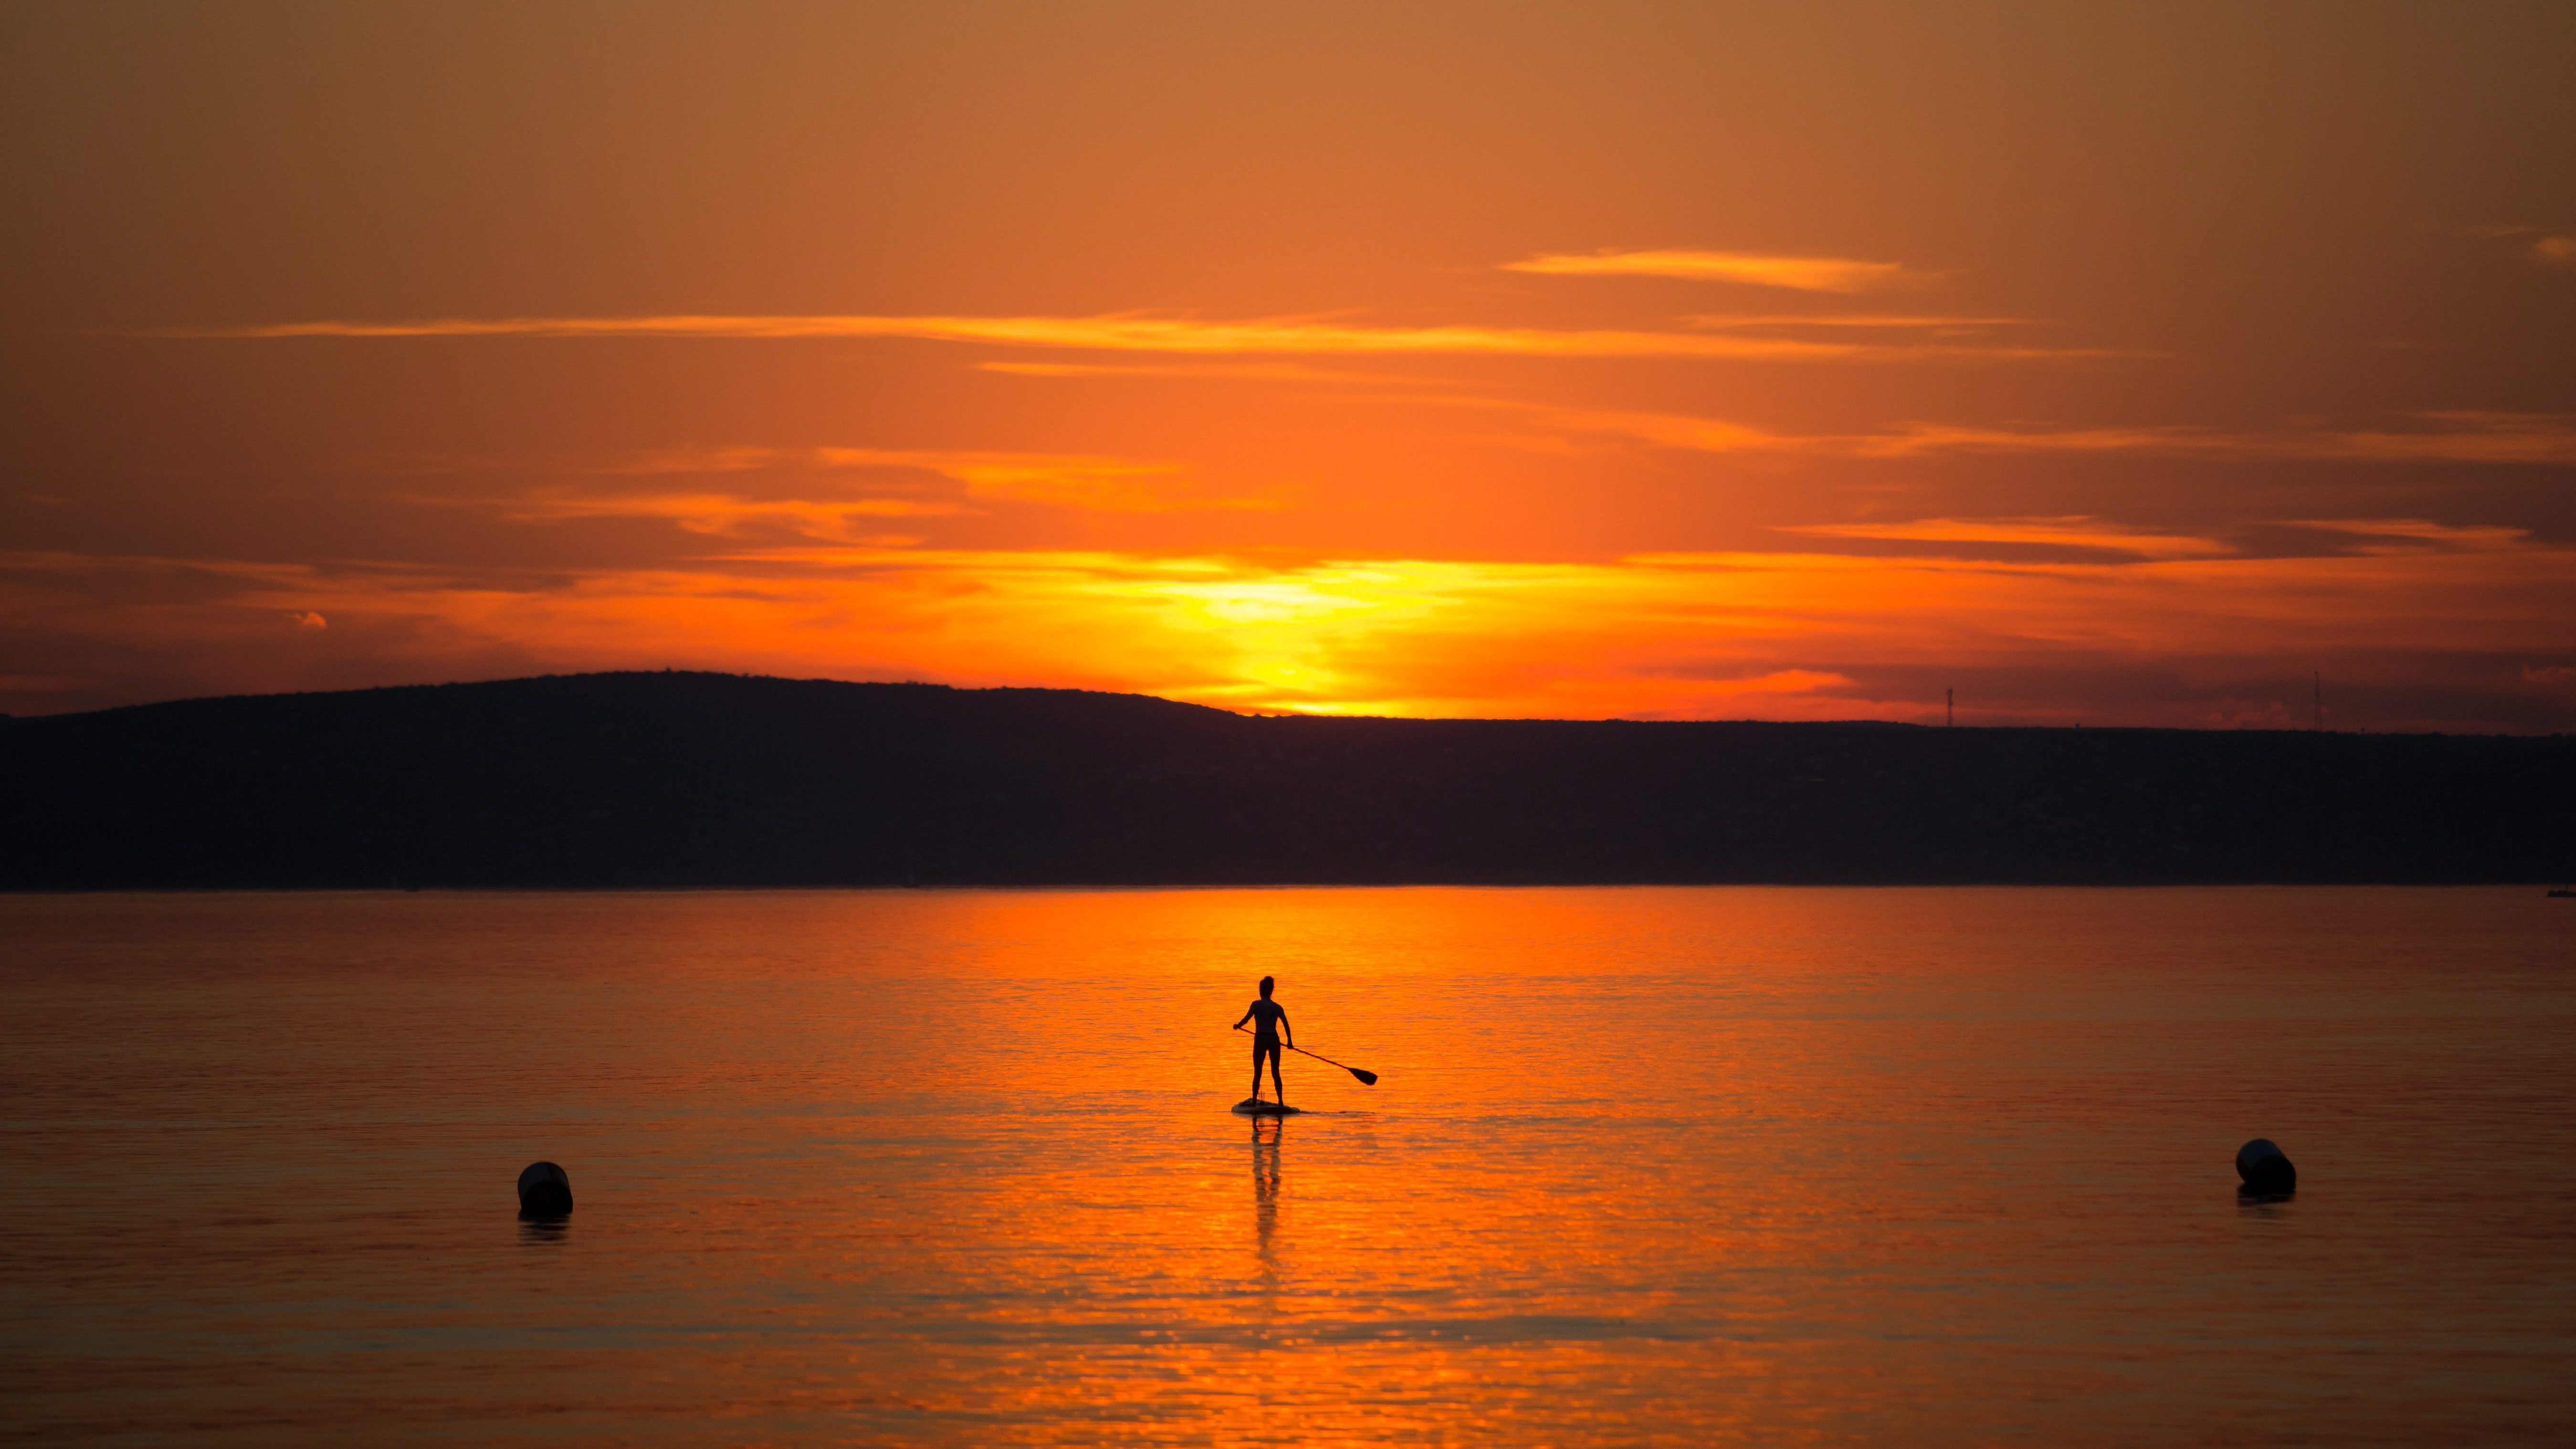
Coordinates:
(1256,1071)
(1278,1088)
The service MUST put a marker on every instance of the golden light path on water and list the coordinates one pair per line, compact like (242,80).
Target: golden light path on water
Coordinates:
(1645,1166)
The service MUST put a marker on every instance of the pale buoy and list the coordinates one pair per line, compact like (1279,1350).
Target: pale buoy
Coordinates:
(2264,1168)
(545,1191)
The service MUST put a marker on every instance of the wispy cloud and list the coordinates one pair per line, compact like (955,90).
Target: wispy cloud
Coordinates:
(1805,274)
(2552,249)
(2449,437)
(1101,485)
(2078,531)
(1181,335)
(725,514)
(2409,535)
(2365,536)
(2443,437)
(1066,480)
(1882,321)
(1227,371)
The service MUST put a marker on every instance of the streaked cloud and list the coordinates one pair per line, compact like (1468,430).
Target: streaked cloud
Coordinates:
(2074,531)
(1228,371)
(2441,437)
(1805,274)
(1067,480)
(724,514)
(2397,535)
(1181,335)
(2553,249)
(2547,439)
(1098,485)
(1880,321)
(2456,437)
(2080,531)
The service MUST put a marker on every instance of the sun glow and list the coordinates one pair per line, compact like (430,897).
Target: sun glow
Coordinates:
(1779,635)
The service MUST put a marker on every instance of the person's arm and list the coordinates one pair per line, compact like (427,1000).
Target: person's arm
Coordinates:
(1247,1016)
(1285,1033)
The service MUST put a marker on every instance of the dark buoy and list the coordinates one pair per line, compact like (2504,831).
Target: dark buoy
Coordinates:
(2265,1170)
(544,1191)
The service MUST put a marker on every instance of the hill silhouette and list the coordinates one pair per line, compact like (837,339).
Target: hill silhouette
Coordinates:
(681,779)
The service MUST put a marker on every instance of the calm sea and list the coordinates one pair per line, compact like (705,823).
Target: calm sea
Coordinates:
(1646,1166)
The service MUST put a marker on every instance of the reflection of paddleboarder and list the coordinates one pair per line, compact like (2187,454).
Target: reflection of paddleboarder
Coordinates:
(1266,1130)
(1268,1020)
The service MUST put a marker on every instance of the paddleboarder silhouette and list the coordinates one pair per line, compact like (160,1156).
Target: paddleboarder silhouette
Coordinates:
(1268,1020)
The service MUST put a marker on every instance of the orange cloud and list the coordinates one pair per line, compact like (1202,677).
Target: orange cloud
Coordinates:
(1069,480)
(2074,531)
(1238,372)
(2455,437)
(2416,533)
(1133,333)
(2452,437)
(1887,321)
(718,513)
(1805,274)
(2464,437)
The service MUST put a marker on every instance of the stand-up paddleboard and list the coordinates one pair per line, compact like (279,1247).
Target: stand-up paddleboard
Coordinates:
(1255,1107)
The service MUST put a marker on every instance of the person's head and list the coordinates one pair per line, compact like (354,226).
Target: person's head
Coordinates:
(1266,984)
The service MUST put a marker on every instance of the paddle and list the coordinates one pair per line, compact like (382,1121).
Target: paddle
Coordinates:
(1367,1079)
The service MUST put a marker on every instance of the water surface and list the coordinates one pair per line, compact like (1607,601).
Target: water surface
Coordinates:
(1646,1166)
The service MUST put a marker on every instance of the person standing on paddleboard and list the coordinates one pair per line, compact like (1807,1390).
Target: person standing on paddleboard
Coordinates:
(1268,1020)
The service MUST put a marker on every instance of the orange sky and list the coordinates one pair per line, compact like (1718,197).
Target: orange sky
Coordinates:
(2112,365)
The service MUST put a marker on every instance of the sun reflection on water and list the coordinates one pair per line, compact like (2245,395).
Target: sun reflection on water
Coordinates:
(956,1167)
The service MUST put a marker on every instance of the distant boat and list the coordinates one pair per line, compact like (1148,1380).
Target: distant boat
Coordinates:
(2563,892)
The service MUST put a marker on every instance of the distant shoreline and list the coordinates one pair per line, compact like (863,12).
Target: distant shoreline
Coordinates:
(666,781)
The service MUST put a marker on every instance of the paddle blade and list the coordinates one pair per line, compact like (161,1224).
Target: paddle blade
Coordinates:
(1367,1079)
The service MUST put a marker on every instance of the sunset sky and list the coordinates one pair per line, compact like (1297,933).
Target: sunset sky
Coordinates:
(2110,365)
